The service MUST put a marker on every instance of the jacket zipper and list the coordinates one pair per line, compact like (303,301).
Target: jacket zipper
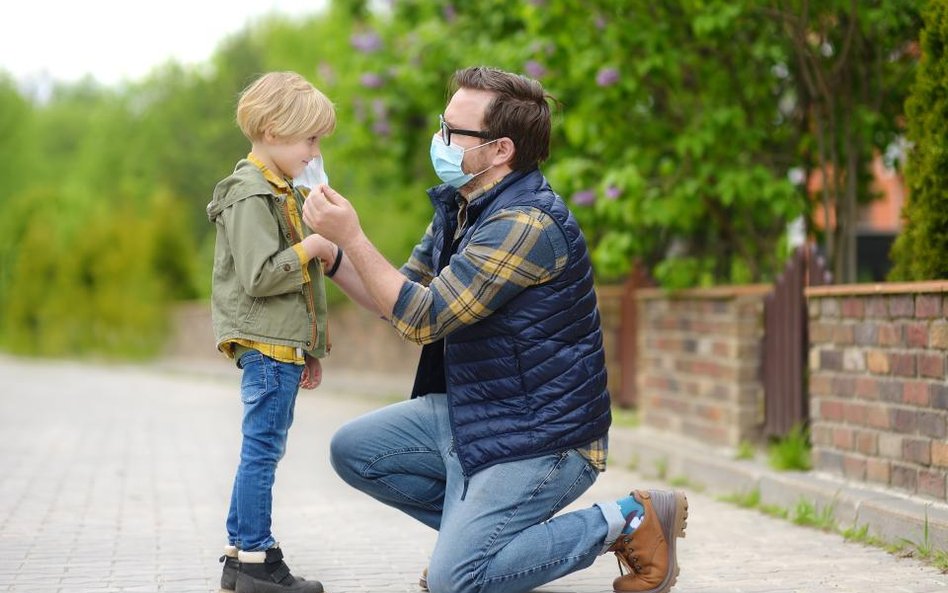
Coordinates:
(310,303)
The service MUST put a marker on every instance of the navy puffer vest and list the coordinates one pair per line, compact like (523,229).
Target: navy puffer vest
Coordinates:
(530,379)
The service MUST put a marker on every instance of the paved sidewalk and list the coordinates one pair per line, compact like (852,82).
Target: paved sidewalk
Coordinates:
(117,478)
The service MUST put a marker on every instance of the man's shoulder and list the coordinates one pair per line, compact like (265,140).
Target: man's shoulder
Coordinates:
(529,188)
(531,214)
(528,224)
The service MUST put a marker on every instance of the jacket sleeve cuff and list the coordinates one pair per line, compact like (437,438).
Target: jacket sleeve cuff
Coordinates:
(304,260)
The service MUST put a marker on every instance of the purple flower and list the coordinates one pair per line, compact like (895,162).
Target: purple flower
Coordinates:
(366,43)
(584,198)
(449,13)
(607,77)
(613,192)
(370,80)
(326,72)
(379,108)
(601,22)
(358,106)
(534,69)
(382,127)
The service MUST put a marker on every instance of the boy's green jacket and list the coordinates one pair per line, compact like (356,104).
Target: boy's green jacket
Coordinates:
(258,290)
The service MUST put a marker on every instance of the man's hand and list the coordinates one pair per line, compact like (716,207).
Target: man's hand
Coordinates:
(364,273)
(331,215)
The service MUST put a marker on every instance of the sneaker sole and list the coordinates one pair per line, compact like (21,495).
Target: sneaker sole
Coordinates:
(664,503)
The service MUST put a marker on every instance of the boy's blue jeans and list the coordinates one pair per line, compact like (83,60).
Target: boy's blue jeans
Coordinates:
(268,390)
(503,537)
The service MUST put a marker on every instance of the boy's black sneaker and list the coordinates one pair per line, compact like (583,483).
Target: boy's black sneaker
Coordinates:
(229,574)
(265,572)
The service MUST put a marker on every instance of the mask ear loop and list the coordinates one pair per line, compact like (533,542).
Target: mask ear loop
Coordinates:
(473,175)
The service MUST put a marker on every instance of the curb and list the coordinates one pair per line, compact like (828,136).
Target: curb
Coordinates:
(889,515)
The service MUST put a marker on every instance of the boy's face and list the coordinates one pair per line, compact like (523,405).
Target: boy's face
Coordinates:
(290,157)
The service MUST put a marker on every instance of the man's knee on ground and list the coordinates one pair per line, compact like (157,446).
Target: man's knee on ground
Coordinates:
(341,451)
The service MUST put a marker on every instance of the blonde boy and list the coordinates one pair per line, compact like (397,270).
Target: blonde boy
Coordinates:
(269,308)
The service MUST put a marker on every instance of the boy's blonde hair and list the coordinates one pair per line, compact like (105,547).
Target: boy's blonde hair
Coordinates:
(286,105)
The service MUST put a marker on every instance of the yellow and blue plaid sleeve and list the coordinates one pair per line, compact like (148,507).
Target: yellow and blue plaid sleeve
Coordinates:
(511,251)
(419,267)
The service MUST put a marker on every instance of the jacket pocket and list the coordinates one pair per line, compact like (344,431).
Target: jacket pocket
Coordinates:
(256,304)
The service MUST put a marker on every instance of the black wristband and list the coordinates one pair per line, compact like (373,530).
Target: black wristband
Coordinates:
(335,264)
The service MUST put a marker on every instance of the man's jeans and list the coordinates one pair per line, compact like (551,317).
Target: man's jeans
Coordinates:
(268,391)
(502,537)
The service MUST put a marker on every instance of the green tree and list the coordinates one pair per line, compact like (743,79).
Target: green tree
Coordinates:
(921,251)
(851,63)
(667,143)
(16,135)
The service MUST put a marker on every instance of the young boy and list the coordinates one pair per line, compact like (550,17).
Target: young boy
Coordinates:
(269,308)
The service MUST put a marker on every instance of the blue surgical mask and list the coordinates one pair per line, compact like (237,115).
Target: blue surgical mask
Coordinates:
(313,174)
(446,161)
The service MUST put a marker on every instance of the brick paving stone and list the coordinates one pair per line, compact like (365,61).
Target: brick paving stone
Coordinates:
(117,478)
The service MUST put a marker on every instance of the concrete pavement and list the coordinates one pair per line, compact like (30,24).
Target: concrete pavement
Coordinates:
(117,479)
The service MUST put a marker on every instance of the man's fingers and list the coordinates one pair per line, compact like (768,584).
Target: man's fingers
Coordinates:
(314,207)
(332,196)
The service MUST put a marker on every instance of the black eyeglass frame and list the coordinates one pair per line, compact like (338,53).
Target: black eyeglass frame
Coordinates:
(447,130)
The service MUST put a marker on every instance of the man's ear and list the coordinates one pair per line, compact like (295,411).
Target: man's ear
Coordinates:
(506,151)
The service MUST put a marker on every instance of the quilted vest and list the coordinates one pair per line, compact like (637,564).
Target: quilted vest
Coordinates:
(530,379)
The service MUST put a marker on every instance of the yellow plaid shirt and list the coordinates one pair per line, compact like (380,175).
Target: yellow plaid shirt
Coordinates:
(511,251)
(275,351)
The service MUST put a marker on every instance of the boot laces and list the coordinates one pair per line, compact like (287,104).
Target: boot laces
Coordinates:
(626,554)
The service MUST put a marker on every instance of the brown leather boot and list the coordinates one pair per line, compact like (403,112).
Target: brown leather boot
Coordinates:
(648,553)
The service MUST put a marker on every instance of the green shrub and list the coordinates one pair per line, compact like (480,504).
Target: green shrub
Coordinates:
(921,251)
(96,286)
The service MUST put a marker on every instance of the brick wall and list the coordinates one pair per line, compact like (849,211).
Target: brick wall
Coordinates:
(700,360)
(879,397)
(609,298)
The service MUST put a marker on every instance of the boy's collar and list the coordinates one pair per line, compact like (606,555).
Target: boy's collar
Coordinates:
(268,174)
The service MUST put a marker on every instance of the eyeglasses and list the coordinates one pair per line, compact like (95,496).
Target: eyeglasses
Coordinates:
(446,132)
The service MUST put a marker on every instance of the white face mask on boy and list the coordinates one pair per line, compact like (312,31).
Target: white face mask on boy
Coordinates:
(313,174)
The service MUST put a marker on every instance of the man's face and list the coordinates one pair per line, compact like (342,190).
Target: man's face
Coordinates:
(465,111)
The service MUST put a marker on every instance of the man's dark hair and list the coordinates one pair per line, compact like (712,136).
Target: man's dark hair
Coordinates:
(519,111)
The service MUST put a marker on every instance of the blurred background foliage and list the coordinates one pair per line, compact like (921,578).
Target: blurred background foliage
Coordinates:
(683,137)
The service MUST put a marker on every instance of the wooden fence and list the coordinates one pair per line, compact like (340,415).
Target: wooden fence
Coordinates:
(786,342)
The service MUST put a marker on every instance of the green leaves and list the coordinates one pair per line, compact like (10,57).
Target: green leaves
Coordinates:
(676,127)
(921,251)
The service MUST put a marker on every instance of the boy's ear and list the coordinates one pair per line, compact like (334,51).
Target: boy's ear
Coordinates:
(268,135)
